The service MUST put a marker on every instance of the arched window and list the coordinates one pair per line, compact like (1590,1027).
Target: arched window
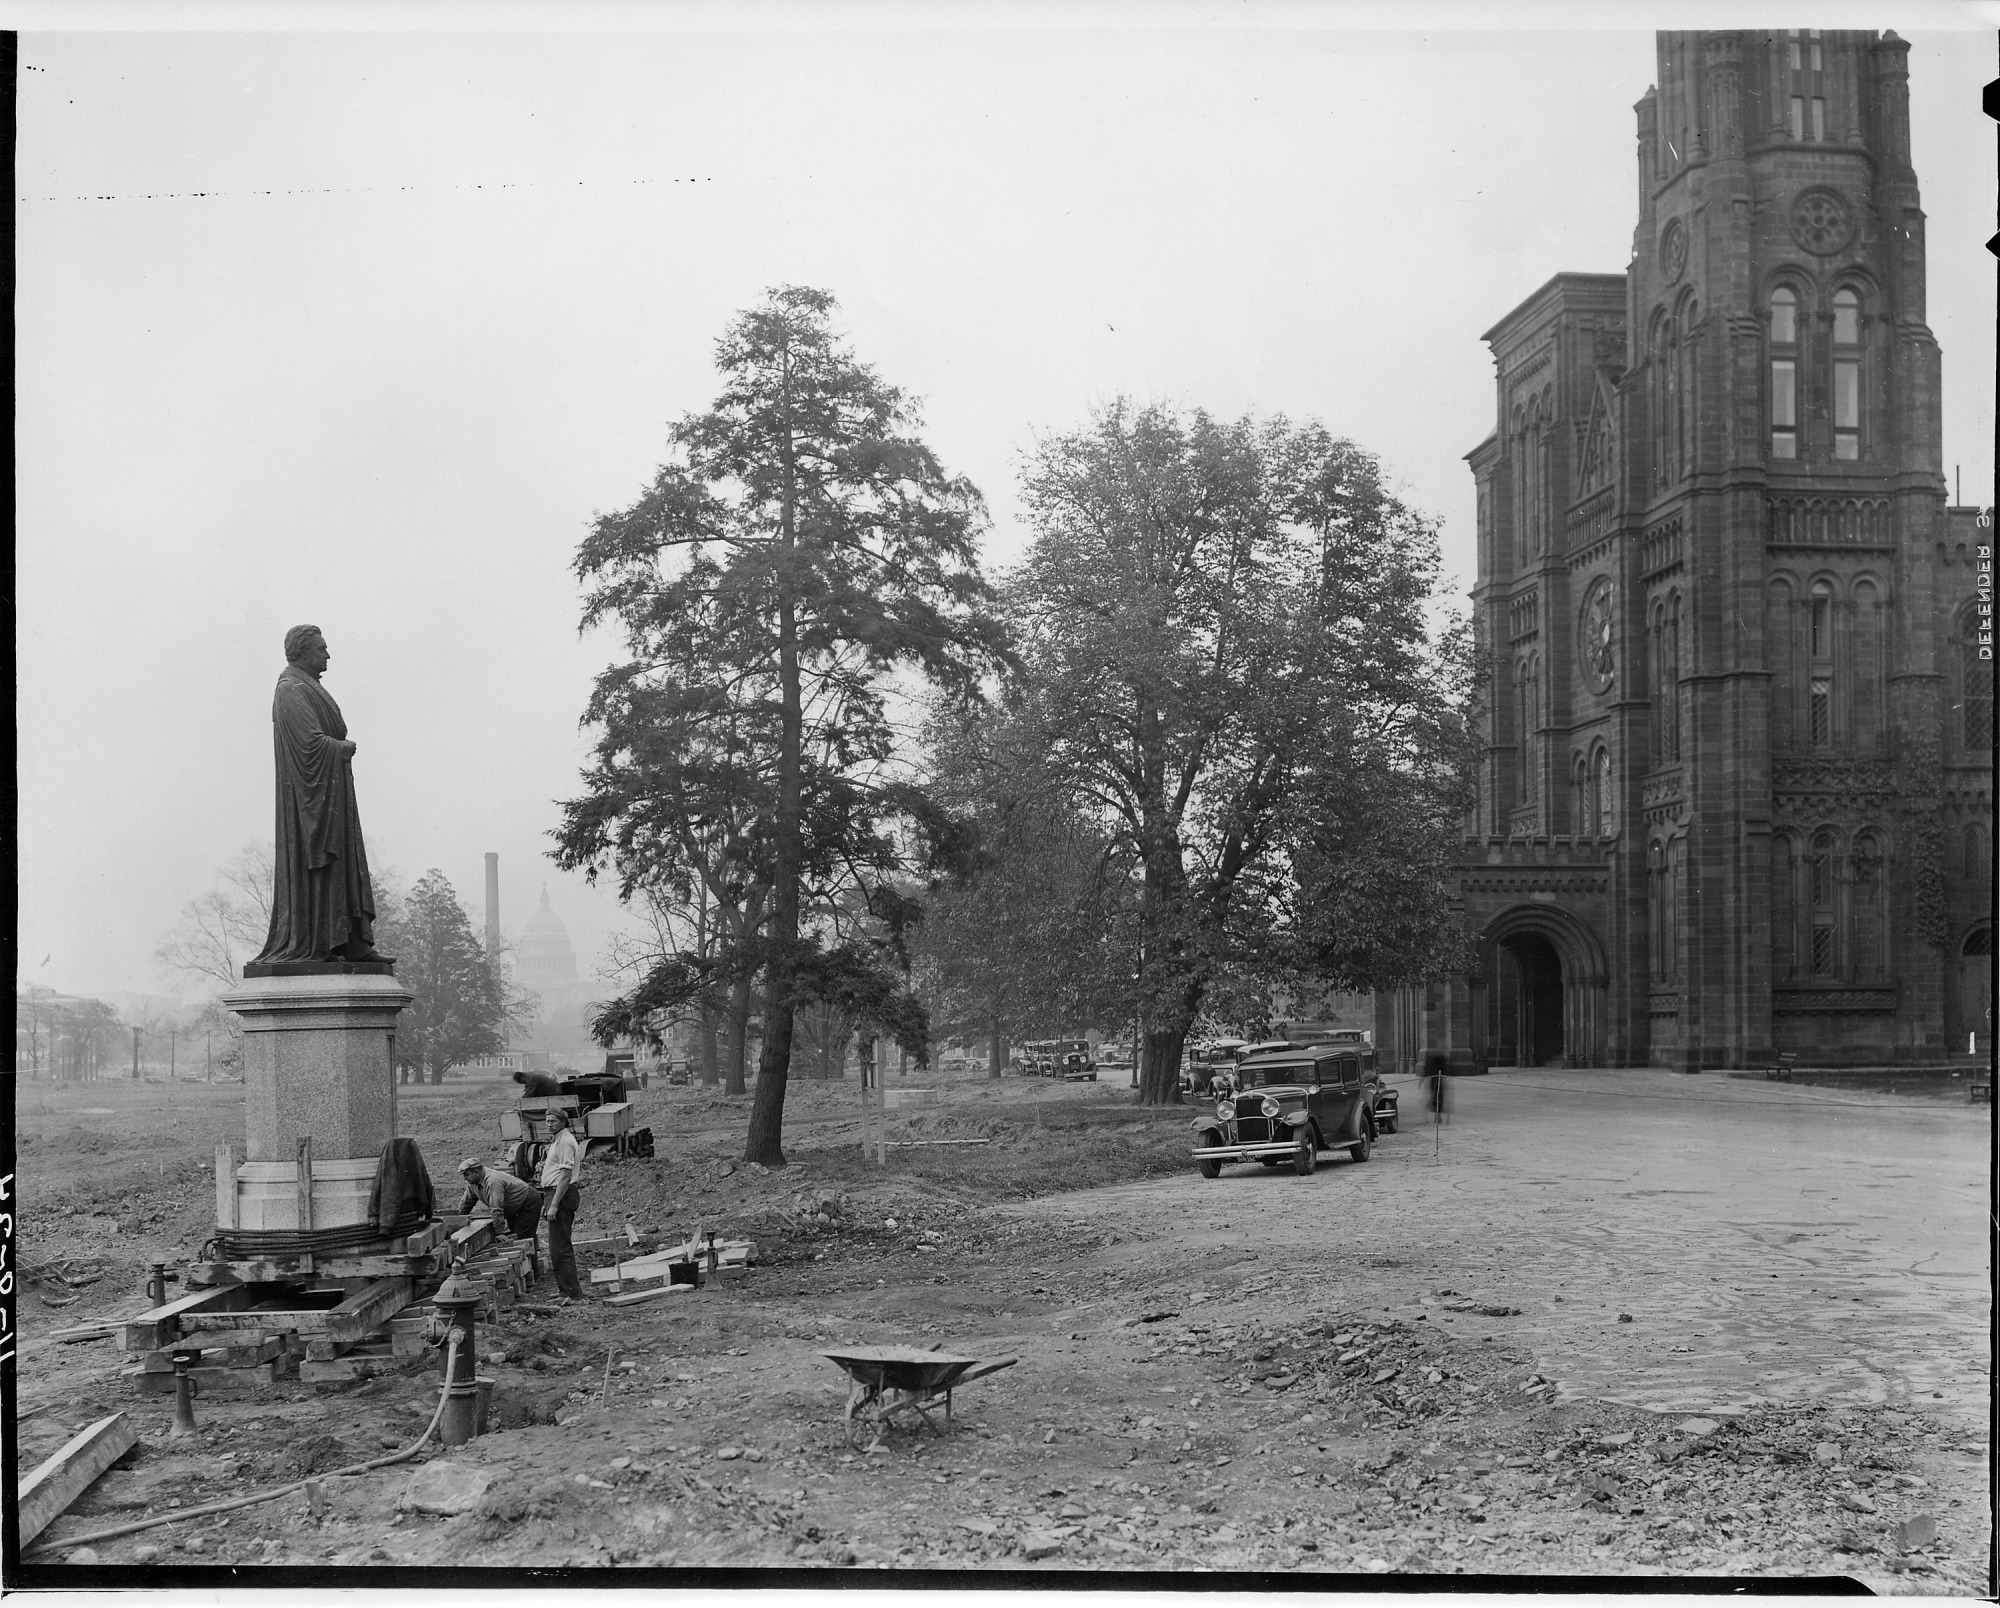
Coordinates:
(1600,794)
(1687,385)
(1523,481)
(1819,697)
(1671,359)
(1656,879)
(1784,909)
(1781,629)
(1870,954)
(1658,347)
(1846,375)
(1978,869)
(1674,677)
(1976,680)
(1524,731)
(1823,897)
(1864,699)
(1784,374)
(1671,914)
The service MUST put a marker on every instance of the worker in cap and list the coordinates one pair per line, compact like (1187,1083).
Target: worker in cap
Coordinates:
(489,1192)
(562,1165)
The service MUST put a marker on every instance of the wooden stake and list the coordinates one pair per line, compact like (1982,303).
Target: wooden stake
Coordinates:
(306,1184)
(225,1186)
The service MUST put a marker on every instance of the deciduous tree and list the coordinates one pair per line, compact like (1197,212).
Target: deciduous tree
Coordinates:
(1225,628)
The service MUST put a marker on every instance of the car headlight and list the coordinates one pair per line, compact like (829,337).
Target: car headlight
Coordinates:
(1272,1106)
(1225,1109)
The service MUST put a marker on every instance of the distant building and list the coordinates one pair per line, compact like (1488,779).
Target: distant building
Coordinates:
(1736,790)
(544,963)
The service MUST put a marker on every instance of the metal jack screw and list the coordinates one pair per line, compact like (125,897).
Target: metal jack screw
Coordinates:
(185,1391)
(157,1282)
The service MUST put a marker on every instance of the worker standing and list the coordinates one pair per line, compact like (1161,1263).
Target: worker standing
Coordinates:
(562,1166)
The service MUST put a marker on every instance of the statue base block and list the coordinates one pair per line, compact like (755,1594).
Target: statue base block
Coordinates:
(319,1064)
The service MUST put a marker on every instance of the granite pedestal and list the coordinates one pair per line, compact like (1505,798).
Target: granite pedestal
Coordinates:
(318,1064)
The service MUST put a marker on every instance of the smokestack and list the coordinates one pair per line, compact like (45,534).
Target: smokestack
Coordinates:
(492,904)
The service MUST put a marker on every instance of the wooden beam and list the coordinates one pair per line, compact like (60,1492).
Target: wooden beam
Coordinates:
(367,1309)
(44,1494)
(270,1272)
(647,1295)
(218,1351)
(152,1330)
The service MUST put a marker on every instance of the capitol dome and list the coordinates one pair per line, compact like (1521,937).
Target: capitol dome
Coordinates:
(544,957)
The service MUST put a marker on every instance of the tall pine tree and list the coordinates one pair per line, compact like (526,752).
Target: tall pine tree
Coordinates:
(801,547)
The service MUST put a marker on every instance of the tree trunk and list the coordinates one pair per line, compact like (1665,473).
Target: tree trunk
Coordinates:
(739,1037)
(996,1048)
(711,1069)
(767,1117)
(1160,1066)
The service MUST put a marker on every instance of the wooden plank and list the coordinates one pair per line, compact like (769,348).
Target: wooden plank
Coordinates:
(225,1186)
(321,1348)
(42,1496)
(269,1272)
(381,1267)
(231,1355)
(310,1320)
(151,1330)
(342,1369)
(211,1381)
(637,1296)
(86,1331)
(368,1309)
(646,1272)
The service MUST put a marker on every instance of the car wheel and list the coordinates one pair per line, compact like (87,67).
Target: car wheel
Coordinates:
(1361,1147)
(1306,1157)
(1391,1124)
(1210,1167)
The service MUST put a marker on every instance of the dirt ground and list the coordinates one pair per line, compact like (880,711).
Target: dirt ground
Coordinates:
(1618,1323)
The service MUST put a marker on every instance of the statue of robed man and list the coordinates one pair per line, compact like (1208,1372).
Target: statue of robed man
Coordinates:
(322,903)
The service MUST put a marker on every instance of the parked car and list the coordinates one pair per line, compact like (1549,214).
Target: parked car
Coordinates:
(1118,1060)
(1073,1062)
(1290,1104)
(1205,1061)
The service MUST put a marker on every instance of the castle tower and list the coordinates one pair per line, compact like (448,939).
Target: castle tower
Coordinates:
(1737,757)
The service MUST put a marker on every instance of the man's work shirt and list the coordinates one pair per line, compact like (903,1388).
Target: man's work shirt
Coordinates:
(564,1154)
(502,1194)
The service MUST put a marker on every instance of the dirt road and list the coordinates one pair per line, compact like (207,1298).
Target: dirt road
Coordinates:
(1750,1338)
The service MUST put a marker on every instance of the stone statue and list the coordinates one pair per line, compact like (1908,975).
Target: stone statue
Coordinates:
(322,903)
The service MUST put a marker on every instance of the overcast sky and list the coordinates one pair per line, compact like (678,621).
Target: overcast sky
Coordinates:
(361,328)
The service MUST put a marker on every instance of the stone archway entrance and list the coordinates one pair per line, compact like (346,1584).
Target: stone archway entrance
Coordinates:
(1973,995)
(1531,981)
(1538,994)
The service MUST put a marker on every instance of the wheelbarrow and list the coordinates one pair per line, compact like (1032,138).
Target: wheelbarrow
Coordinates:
(886,1380)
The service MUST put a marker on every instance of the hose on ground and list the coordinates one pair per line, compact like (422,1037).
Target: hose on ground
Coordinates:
(181,1515)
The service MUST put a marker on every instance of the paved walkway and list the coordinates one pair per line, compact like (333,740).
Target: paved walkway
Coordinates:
(1769,1243)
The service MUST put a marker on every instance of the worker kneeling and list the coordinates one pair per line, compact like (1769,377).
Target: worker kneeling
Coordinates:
(501,1195)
